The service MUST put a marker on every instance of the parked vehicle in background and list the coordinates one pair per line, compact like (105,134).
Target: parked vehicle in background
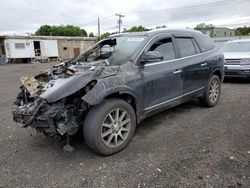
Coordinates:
(108,91)
(237,56)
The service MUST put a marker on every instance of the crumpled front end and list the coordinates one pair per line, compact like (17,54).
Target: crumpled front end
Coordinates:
(24,113)
(51,102)
(58,118)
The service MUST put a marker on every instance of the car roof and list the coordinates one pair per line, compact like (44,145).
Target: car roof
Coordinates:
(181,32)
(238,40)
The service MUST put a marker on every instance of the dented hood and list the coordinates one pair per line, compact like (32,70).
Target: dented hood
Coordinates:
(54,87)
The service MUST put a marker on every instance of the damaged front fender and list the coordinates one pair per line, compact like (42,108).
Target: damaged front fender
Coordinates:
(106,87)
(67,86)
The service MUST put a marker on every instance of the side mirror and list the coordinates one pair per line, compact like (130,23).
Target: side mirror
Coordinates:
(151,56)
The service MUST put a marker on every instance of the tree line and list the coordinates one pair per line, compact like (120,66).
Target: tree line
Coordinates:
(75,31)
(70,30)
(238,31)
(61,30)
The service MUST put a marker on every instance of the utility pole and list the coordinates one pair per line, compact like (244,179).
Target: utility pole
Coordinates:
(98,22)
(119,21)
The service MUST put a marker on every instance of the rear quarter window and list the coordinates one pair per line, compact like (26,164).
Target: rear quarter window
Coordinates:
(204,42)
(186,46)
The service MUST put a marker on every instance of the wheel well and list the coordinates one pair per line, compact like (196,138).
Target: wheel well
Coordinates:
(218,73)
(127,97)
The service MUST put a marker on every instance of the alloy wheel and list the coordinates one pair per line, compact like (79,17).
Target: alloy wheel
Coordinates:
(214,91)
(116,127)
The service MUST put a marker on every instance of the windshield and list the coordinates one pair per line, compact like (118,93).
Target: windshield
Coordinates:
(236,47)
(116,50)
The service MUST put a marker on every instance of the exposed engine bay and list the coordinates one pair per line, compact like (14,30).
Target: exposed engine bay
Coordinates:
(58,101)
(51,101)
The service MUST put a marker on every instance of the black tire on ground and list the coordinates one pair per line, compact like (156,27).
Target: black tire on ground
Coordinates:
(99,117)
(207,99)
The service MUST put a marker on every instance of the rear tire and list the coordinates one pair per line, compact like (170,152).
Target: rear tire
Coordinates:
(109,126)
(212,94)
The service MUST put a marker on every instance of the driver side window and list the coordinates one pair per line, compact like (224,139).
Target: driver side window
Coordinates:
(165,47)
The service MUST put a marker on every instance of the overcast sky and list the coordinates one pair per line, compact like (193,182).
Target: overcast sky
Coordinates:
(21,16)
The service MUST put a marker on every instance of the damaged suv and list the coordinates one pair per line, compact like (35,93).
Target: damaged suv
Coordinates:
(118,82)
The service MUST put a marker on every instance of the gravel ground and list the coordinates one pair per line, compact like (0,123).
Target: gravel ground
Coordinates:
(187,146)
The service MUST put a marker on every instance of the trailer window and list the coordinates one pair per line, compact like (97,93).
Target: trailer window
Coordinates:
(19,45)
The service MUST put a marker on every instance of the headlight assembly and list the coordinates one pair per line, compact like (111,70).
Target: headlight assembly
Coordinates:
(245,62)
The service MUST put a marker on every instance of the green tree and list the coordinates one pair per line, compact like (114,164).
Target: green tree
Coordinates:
(243,30)
(160,26)
(84,32)
(203,26)
(103,36)
(91,34)
(62,30)
(139,28)
(45,30)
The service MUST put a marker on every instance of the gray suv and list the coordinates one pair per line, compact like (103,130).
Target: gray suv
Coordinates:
(118,82)
(237,57)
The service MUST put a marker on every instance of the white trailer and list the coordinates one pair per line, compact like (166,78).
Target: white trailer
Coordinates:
(30,48)
(23,49)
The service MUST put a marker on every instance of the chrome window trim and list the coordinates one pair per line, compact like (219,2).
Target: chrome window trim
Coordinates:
(181,58)
(170,100)
(147,46)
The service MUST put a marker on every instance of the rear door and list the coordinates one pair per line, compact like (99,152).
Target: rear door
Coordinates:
(195,70)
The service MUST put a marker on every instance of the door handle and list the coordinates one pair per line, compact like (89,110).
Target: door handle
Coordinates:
(203,64)
(177,71)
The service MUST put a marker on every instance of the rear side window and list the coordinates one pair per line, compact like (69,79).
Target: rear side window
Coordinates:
(204,42)
(196,47)
(186,46)
(166,47)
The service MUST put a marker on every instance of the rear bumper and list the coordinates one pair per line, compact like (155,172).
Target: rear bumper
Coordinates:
(242,71)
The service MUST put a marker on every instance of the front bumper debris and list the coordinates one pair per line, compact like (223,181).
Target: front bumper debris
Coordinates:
(50,119)
(25,114)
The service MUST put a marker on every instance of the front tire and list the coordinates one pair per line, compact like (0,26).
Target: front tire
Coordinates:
(212,94)
(109,126)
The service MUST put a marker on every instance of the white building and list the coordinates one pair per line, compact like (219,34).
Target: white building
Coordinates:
(29,48)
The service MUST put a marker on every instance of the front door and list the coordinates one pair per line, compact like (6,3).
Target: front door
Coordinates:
(162,81)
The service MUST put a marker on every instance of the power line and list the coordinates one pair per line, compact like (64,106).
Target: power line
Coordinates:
(104,19)
(109,28)
(164,11)
(107,22)
(210,4)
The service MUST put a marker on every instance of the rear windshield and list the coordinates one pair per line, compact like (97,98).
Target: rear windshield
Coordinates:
(236,47)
